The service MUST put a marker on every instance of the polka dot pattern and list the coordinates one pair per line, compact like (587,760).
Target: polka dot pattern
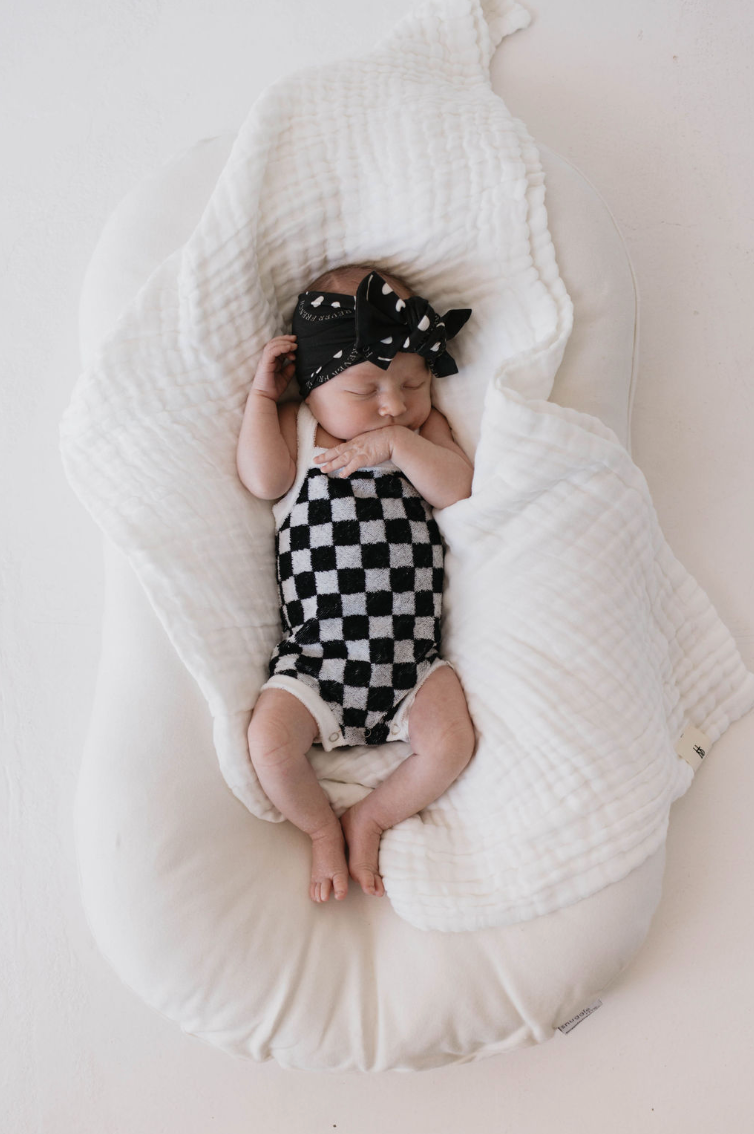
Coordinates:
(335,331)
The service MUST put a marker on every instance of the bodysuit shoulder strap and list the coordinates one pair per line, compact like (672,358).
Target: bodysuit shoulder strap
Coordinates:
(306,431)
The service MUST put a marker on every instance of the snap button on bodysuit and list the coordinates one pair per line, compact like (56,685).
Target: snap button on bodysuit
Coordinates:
(333,736)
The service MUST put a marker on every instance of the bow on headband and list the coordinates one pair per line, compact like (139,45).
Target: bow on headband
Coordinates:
(336,331)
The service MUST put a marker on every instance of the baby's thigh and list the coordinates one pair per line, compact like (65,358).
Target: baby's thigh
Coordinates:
(439,717)
(281,725)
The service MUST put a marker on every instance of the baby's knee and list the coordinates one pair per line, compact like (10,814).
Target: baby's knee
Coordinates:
(458,741)
(447,747)
(270,748)
(277,734)
(439,720)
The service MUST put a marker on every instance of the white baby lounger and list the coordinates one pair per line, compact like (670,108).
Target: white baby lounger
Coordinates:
(202,906)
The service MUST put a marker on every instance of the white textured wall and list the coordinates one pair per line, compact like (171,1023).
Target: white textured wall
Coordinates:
(653,102)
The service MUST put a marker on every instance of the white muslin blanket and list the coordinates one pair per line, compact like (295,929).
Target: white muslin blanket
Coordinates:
(583,646)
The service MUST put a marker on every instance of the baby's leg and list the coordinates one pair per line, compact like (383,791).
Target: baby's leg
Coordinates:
(443,739)
(280,734)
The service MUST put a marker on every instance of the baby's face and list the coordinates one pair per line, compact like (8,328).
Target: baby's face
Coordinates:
(364,397)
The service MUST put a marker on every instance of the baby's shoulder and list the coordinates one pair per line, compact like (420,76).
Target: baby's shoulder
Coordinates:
(287,417)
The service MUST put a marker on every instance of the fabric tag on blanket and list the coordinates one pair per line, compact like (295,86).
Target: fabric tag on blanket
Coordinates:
(693,745)
(576,1020)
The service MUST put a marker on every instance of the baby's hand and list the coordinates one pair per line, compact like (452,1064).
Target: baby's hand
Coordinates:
(273,374)
(371,448)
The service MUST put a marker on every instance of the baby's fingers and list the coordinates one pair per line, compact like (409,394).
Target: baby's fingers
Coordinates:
(329,455)
(347,461)
(350,463)
(280,345)
(335,462)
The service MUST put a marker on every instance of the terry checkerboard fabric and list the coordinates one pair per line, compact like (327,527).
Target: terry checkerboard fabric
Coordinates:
(360,579)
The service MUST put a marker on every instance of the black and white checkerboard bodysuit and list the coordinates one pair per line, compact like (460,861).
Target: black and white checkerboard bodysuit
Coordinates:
(360,578)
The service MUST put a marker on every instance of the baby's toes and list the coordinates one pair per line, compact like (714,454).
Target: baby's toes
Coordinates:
(377,887)
(329,870)
(369,880)
(340,884)
(321,888)
(317,892)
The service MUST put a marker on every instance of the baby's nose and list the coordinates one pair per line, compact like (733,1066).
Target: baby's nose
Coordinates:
(392,404)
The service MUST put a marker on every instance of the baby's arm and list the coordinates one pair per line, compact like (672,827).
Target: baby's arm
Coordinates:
(263,458)
(436,466)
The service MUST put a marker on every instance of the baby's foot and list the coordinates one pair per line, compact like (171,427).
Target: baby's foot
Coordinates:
(329,869)
(363,839)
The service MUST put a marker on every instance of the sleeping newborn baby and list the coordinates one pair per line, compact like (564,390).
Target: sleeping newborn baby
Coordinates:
(356,468)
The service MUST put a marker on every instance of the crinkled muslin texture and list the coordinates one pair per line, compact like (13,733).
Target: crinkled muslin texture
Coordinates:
(583,646)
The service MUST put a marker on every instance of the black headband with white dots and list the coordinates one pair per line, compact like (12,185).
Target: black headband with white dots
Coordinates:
(336,331)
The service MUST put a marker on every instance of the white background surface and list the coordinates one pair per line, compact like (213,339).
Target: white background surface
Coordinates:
(653,103)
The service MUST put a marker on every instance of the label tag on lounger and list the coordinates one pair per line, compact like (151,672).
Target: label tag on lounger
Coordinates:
(693,745)
(576,1020)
